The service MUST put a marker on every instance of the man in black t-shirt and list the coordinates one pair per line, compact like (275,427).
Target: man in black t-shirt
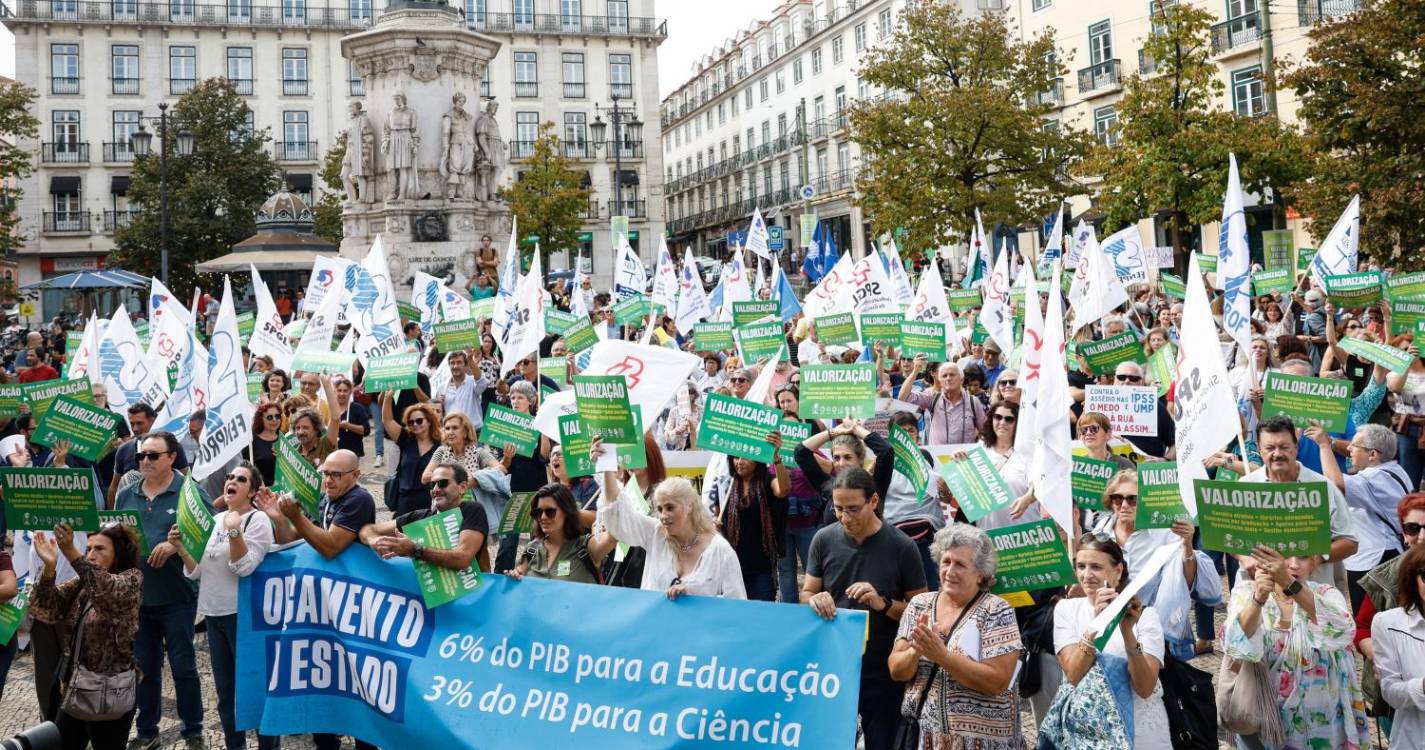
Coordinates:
(861,562)
(449,483)
(344,510)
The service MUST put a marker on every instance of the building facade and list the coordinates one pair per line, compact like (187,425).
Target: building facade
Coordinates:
(101,67)
(762,124)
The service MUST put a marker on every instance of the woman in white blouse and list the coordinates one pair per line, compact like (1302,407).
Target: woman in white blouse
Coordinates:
(686,555)
(1399,638)
(239,542)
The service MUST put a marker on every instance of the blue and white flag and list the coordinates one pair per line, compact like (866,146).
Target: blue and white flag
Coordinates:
(373,309)
(269,333)
(1234,262)
(784,293)
(693,304)
(901,288)
(228,430)
(1124,250)
(125,369)
(1340,250)
(757,236)
(426,298)
(190,390)
(822,256)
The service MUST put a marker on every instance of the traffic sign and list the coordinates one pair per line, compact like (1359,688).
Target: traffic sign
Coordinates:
(808,192)
(738,239)
(775,239)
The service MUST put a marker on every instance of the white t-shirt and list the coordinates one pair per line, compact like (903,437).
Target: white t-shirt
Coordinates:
(1150,718)
(717,573)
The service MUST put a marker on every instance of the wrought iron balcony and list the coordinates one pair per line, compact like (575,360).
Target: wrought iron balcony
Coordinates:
(242,85)
(1315,11)
(125,85)
(67,222)
(108,12)
(1102,77)
(64,152)
(294,87)
(296,151)
(118,219)
(64,85)
(559,23)
(181,86)
(574,90)
(118,152)
(1236,32)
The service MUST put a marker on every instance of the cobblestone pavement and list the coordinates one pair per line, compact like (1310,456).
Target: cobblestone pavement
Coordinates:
(20,710)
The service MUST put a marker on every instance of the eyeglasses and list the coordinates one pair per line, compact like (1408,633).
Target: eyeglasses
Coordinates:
(146,456)
(537,512)
(843,510)
(738,380)
(1412,529)
(333,474)
(1006,418)
(1117,498)
(415,421)
(1006,382)
(1090,429)
(441,483)
(237,477)
(1353,326)
(1129,378)
(272,417)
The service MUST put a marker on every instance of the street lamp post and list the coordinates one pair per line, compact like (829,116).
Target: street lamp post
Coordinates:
(141,141)
(623,120)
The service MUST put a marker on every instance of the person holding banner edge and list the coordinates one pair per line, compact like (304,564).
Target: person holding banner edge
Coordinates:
(560,549)
(754,519)
(449,485)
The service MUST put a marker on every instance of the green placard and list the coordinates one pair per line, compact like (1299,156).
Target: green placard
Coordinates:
(482,309)
(516,518)
(1173,286)
(1159,502)
(1404,286)
(1268,282)
(408,312)
(40,499)
(12,613)
(761,340)
(12,395)
(978,333)
(751,311)
(1406,316)
(1277,251)
(254,385)
(295,475)
(1354,289)
(602,401)
(505,426)
(713,337)
(130,520)
(794,433)
(575,444)
(326,363)
(838,391)
(295,330)
(1030,556)
(556,369)
(457,335)
(72,340)
(558,321)
(633,309)
(836,330)
(1105,355)
(1304,256)
(393,372)
(440,585)
(1307,400)
(1386,356)
(976,485)
(88,428)
(580,336)
(919,337)
(632,455)
(1207,263)
(879,328)
(195,521)
(738,428)
(246,322)
(909,461)
(1162,367)
(39,396)
(964,299)
(1292,517)
(1088,480)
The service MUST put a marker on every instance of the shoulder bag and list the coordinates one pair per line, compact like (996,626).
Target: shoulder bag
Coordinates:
(91,696)
(908,734)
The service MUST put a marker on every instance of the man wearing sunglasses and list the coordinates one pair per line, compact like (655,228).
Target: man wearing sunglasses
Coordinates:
(1162,444)
(449,485)
(141,418)
(170,605)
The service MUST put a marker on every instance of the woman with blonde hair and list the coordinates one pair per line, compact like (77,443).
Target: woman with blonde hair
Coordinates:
(685,554)
(458,446)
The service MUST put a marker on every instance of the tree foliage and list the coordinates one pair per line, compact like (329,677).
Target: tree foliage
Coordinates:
(548,198)
(327,211)
(962,126)
(1361,87)
(213,193)
(16,123)
(1173,137)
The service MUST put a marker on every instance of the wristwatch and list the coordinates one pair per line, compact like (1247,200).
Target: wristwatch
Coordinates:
(419,553)
(886,609)
(232,533)
(1292,588)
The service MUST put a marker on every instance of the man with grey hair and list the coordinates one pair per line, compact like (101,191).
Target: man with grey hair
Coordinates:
(951,414)
(1160,445)
(1373,489)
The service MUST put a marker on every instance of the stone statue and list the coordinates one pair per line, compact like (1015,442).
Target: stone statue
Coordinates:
(399,142)
(492,153)
(457,149)
(358,166)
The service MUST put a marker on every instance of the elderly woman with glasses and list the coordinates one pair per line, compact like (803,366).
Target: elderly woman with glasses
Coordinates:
(959,649)
(1006,389)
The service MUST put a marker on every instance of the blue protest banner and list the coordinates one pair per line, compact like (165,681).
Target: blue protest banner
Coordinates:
(347,646)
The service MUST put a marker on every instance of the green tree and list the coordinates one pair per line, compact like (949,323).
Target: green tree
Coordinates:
(962,126)
(213,193)
(548,198)
(327,212)
(1173,139)
(16,123)
(1360,87)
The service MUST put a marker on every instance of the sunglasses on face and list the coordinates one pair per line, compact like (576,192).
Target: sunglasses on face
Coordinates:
(538,513)
(1090,429)
(1007,418)
(1007,382)
(1129,378)
(1117,498)
(237,477)
(1412,529)
(416,421)
(146,456)
(442,483)
(737,380)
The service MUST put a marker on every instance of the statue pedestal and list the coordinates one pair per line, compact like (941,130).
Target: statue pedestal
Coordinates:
(422,51)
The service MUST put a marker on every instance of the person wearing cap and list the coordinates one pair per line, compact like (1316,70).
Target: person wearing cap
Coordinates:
(991,362)
(1313,325)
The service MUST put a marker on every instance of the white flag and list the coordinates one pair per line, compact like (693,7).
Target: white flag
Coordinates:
(1341,248)
(869,290)
(328,275)
(317,336)
(1205,411)
(630,276)
(900,281)
(654,375)
(190,390)
(1031,357)
(693,303)
(426,297)
(1124,250)
(454,305)
(738,288)
(1096,288)
(828,297)
(79,363)
(1078,243)
(509,282)
(1234,262)
(124,367)
(577,304)
(665,278)
(996,315)
(269,334)
(1053,461)
(169,324)
(932,306)
(757,236)
(373,308)
(527,324)
(228,431)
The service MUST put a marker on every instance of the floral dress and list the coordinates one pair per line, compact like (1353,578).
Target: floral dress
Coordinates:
(1321,703)
(956,717)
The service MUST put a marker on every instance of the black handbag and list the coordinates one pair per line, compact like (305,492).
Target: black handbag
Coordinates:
(391,492)
(1191,703)
(908,733)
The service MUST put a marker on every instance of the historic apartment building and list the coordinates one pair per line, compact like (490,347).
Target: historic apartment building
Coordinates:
(102,67)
